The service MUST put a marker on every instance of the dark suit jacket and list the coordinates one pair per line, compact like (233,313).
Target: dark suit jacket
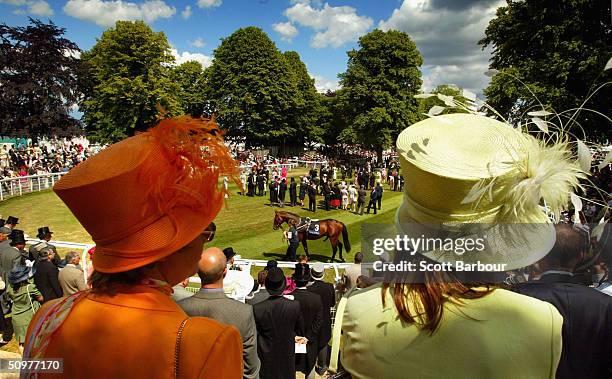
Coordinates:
(312,311)
(328,299)
(587,325)
(278,321)
(216,305)
(258,296)
(361,195)
(46,280)
(9,258)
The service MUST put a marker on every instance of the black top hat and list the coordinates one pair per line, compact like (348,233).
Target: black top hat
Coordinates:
(12,220)
(275,281)
(2,221)
(42,232)
(270,264)
(17,237)
(301,273)
(229,253)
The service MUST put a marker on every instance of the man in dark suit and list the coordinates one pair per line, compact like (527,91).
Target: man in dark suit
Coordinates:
(279,327)
(328,298)
(372,203)
(9,258)
(587,313)
(379,193)
(261,183)
(46,276)
(312,197)
(212,302)
(44,234)
(361,199)
(260,294)
(312,311)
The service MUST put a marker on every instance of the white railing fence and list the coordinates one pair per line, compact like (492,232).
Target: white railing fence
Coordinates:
(25,184)
(245,264)
(289,166)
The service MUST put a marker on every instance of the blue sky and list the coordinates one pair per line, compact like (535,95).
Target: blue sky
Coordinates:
(445,31)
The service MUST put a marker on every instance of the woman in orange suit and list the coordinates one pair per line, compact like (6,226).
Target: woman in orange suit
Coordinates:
(147,202)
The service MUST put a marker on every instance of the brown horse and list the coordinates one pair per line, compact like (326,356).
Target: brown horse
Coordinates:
(328,228)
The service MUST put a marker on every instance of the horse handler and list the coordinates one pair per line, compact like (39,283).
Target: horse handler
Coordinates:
(160,189)
(292,236)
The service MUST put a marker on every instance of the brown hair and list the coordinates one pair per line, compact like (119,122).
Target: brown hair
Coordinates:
(108,284)
(428,292)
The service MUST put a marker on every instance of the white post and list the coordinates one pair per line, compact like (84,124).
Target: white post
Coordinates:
(38,183)
(19,182)
(12,191)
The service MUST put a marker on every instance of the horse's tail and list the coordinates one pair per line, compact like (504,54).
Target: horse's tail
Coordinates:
(345,238)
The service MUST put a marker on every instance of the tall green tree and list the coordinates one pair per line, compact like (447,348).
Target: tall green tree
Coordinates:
(38,81)
(331,118)
(192,84)
(378,89)
(307,108)
(558,49)
(128,81)
(251,89)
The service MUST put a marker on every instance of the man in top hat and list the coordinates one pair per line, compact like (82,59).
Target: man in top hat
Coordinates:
(279,326)
(11,222)
(210,301)
(18,242)
(9,258)
(312,312)
(46,277)
(229,258)
(328,299)
(169,176)
(44,234)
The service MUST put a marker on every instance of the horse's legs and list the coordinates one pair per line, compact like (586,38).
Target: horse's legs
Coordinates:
(334,249)
(340,247)
(305,244)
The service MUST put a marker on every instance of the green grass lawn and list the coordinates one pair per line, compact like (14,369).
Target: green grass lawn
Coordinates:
(245,223)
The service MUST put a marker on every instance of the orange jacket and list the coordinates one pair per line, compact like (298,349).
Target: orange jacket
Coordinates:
(133,335)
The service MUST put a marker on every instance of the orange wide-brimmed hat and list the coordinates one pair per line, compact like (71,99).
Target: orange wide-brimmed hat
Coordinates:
(147,196)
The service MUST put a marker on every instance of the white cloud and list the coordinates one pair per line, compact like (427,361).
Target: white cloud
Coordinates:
(447,33)
(199,43)
(34,7)
(14,2)
(323,84)
(106,13)
(209,3)
(186,56)
(40,8)
(186,13)
(286,30)
(334,26)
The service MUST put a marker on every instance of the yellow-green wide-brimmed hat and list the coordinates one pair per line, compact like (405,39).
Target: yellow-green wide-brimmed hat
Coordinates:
(465,169)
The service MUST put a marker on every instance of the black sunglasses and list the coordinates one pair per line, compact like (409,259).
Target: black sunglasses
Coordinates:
(209,232)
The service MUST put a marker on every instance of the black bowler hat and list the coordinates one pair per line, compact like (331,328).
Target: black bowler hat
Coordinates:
(42,232)
(12,220)
(17,237)
(229,253)
(275,281)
